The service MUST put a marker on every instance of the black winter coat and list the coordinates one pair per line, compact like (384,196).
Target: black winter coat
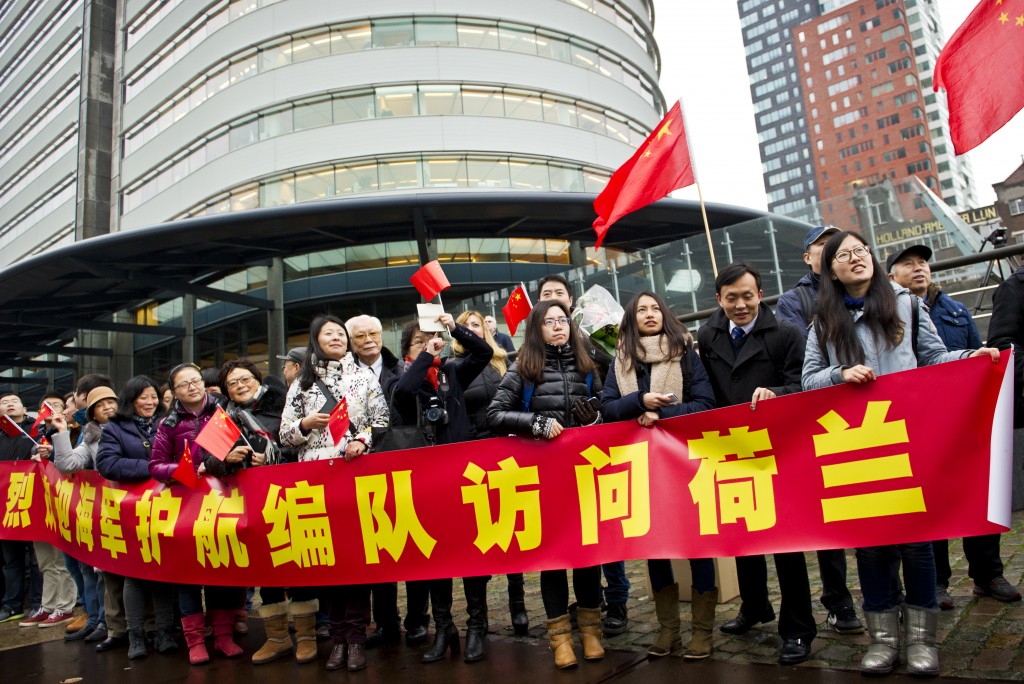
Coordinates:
(267,412)
(18,448)
(478,397)
(554,395)
(615,407)
(1006,328)
(460,374)
(123,454)
(772,357)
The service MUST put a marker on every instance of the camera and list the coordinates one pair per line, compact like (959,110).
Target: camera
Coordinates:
(435,414)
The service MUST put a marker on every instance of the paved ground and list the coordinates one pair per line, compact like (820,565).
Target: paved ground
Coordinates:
(979,638)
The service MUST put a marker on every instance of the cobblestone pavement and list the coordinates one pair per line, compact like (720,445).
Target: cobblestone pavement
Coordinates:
(979,638)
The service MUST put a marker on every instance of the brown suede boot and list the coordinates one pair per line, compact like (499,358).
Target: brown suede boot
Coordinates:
(702,608)
(560,638)
(666,607)
(589,621)
(278,643)
(303,614)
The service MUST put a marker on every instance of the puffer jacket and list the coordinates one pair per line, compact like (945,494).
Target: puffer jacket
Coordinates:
(81,457)
(178,427)
(124,450)
(366,409)
(266,410)
(818,372)
(478,397)
(554,395)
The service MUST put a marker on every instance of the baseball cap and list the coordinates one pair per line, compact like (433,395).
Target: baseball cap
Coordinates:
(296,354)
(816,232)
(924,252)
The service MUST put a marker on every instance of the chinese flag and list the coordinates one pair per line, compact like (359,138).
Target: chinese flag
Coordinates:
(339,421)
(185,473)
(219,434)
(429,280)
(10,428)
(517,309)
(981,69)
(661,165)
(44,412)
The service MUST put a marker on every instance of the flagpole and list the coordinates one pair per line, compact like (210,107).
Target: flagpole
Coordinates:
(525,293)
(700,195)
(441,304)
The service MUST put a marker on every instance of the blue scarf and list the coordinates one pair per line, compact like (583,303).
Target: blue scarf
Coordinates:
(853,303)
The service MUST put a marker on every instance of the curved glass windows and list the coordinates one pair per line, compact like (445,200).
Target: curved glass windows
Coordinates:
(359,36)
(389,101)
(404,173)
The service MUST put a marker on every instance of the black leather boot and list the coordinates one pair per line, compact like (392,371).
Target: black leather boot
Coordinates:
(446,636)
(517,605)
(476,606)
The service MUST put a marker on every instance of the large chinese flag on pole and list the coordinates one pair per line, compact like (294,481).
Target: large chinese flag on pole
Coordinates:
(981,69)
(661,165)
(219,434)
(517,309)
(430,280)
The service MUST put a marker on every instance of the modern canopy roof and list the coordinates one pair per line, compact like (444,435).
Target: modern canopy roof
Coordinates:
(46,299)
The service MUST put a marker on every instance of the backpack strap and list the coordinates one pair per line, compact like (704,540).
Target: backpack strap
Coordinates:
(915,320)
(590,383)
(822,346)
(528,387)
(808,304)
(687,376)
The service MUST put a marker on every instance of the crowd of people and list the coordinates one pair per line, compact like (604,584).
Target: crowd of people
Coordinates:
(846,321)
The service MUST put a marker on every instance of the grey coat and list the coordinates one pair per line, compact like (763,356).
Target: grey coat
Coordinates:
(82,457)
(930,349)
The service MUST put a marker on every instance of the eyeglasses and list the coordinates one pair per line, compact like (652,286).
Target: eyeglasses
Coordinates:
(232,384)
(375,335)
(551,322)
(189,384)
(843,257)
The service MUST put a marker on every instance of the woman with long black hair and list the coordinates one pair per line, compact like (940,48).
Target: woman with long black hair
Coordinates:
(328,375)
(548,389)
(656,374)
(864,327)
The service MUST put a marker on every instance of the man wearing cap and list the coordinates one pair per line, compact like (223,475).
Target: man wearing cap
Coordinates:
(292,364)
(798,306)
(367,346)
(909,268)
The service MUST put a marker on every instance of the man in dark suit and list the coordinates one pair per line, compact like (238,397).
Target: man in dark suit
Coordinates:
(751,356)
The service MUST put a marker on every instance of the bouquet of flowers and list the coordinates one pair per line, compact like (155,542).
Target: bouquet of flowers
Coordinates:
(597,315)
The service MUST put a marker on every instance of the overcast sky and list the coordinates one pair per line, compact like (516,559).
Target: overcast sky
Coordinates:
(703,63)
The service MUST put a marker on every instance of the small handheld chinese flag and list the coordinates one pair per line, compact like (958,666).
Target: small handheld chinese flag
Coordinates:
(45,412)
(185,473)
(981,69)
(517,309)
(430,280)
(10,428)
(661,165)
(219,434)
(339,422)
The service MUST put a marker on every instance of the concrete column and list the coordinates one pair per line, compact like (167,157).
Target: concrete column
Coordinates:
(276,333)
(188,342)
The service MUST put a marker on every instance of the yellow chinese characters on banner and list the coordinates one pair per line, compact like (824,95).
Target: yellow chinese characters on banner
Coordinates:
(300,529)
(874,431)
(65,490)
(511,501)
(216,530)
(83,513)
(157,517)
(622,492)
(728,490)
(380,533)
(19,500)
(111,534)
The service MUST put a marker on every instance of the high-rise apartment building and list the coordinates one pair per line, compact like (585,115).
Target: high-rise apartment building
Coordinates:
(864,115)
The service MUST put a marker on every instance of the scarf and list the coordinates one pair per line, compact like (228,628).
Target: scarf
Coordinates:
(145,425)
(666,371)
(435,365)
(853,303)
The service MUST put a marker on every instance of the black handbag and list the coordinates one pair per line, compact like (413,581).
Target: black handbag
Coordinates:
(396,436)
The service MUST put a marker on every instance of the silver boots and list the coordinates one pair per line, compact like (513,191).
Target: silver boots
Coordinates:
(884,651)
(922,655)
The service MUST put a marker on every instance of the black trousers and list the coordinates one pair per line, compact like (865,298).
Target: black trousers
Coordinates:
(834,592)
(795,618)
(417,599)
(983,561)
(554,589)
(385,605)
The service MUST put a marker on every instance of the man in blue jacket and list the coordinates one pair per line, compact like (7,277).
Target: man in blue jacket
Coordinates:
(909,268)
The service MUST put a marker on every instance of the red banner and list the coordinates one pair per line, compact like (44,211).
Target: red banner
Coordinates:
(919,455)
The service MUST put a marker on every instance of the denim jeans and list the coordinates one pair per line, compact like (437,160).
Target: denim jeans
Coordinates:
(617,590)
(702,571)
(874,566)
